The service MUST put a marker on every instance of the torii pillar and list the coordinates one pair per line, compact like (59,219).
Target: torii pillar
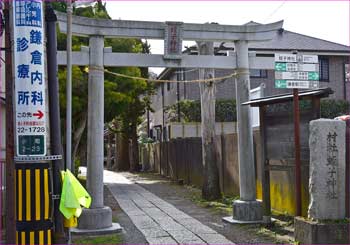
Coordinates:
(98,216)
(247,208)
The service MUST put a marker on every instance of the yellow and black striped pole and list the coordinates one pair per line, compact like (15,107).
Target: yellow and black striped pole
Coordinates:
(33,207)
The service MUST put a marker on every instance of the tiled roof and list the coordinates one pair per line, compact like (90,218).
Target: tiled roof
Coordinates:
(288,40)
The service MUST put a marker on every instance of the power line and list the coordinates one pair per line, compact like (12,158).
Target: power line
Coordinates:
(275,11)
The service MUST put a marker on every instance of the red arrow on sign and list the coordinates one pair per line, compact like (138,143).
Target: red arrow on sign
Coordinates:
(40,114)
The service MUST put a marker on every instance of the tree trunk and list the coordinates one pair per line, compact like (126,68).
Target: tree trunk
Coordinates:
(78,133)
(211,183)
(134,154)
(123,162)
(109,151)
(115,164)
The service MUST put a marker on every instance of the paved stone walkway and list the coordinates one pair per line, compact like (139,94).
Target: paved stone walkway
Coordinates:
(159,221)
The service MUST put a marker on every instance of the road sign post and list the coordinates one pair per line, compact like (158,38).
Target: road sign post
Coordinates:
(296,72)
(32,168)
(296,113)
(29,74)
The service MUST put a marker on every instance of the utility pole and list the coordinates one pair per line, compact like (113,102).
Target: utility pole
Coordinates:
(55,122)
(211,184)
(10,164)
(69,88)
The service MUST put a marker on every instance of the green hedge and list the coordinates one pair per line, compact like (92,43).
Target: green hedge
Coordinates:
(334,108)
(191,111)
(226,109)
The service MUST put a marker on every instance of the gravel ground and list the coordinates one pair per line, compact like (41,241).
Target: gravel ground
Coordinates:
(180,197)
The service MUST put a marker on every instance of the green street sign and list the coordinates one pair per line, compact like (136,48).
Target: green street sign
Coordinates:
(280,83)
(280,66)
(314,76)
(31,145)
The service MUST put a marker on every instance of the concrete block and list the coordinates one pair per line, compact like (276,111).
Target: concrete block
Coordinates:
(96,218)
(170,225)
(214,239)
(143,222)
(154,232)
(185,237)
(315,232)
(160,240)
(327,169)
(115,228)
(247,210)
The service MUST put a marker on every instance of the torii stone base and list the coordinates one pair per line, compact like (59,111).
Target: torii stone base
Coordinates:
(246,212)
(95,218)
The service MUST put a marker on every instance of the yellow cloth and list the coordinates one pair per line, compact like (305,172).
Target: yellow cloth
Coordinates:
(73,196)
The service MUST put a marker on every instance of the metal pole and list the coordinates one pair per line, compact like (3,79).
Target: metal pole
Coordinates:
(347,170)
(10,144)
(69,88)
(55,122)
(297,152)
(178,96)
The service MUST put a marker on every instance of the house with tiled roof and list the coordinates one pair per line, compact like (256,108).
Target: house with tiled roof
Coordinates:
(333,67)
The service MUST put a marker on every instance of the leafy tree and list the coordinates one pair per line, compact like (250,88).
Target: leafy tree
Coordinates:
(123,101)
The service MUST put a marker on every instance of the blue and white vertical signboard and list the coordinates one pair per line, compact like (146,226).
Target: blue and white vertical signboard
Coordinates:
(29,73)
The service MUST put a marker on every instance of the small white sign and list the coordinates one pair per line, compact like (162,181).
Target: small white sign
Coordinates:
(302,84)
(292,75)
(310,58)
(309,67)
(285,58)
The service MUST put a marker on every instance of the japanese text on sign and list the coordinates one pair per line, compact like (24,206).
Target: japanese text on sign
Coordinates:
(173,39)
(332,164)
(296,71)
(29,73)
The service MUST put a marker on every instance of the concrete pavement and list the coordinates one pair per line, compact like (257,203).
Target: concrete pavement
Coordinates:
(159,221)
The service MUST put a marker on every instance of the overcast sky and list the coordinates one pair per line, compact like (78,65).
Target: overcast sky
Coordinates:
(328,20)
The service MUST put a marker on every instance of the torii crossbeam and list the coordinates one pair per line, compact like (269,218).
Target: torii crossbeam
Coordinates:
(98,57)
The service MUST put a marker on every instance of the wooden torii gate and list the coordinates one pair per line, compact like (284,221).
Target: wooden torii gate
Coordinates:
(173,33)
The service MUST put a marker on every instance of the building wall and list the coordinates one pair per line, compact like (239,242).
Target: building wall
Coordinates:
(336,76)
(227,90)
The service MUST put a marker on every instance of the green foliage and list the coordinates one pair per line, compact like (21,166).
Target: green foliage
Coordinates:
(125,99)
(190,110)
(288,107)
(334,108)
(144,139)
(225,110)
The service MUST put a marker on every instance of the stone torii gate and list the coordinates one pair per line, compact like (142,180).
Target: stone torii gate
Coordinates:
(97,56)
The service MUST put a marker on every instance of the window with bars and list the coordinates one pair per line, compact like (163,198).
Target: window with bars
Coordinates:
(256,73)
(324,69)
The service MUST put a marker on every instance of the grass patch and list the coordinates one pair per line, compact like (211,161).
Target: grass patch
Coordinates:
(105,239)
(223,205)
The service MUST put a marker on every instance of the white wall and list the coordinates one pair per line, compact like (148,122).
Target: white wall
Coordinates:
(187,130)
